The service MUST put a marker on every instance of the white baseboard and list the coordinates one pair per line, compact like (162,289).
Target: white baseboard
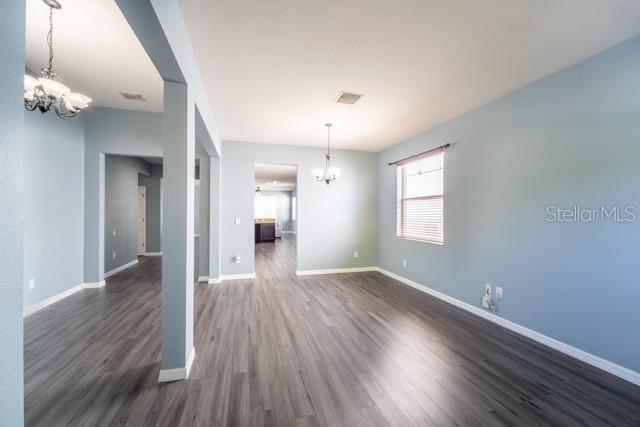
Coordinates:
(598,362)
(153,254)
(288,232)
(51,300)
(238,276)
(119,269)
(93,285)
(335,271)
(177,374)
(215,280)
(26,311)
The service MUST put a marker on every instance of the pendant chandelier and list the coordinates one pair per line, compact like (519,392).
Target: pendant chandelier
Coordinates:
(329,174)
(48,92)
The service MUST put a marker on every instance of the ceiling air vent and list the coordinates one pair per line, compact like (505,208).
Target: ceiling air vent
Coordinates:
(133,96)
(348,98)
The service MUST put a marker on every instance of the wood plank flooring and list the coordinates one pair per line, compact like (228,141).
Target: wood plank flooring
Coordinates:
(350,349)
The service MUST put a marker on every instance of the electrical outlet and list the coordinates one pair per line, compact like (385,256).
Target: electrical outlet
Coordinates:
(236,259)
(355,254)
(31,284)
(486,298)
(113,233)
(485,301)
(404,262)
(498,292)
(113,256)
(237,221)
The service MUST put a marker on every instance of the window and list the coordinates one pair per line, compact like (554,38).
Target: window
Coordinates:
(420,195)
(265,207)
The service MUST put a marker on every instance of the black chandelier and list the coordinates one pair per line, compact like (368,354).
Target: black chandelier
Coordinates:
(48,92)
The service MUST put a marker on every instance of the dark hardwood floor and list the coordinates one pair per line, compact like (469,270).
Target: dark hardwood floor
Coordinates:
(350,349)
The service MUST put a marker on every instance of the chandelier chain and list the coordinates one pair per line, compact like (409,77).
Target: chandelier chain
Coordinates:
(50,42)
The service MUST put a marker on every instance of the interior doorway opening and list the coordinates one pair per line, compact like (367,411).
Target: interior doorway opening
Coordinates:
(132,210)
(275,206)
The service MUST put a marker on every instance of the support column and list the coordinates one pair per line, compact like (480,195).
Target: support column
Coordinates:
(178,138)
(203,243)
(94,170)
(214,219)
(12,30)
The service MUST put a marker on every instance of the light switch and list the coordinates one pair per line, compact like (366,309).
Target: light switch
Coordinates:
(237,221)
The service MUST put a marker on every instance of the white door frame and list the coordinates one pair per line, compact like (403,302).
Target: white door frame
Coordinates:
(142,220)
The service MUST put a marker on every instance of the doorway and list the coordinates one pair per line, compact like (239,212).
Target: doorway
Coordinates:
(275,219)
(132,209)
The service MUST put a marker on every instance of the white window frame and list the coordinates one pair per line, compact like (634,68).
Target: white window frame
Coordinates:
(401,200)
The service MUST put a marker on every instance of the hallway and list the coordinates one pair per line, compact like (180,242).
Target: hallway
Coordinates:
(277,258)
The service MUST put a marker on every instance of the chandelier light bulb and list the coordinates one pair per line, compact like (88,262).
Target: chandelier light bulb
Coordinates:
(53,88)
(30,83)
(67,103)
(78,100)
(28,95)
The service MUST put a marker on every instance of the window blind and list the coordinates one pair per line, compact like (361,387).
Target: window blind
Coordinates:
(420,194)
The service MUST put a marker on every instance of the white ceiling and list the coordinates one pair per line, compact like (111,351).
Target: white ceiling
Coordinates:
(274,68)
(275,177)
(96,52)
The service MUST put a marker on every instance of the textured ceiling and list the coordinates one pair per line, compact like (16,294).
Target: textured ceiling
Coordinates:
(96,53)
(273,68)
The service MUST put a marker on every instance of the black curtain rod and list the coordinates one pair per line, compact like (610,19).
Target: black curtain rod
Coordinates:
(442,147)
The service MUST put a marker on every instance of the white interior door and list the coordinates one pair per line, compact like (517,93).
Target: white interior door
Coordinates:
(142,220)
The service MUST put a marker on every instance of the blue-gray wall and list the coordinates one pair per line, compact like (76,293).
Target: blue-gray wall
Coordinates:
(570,138)
(333,220)
(202,193)
(54,204)
(110,131)
(153,205)
(215,241)
(196,210)
(12,22)
(121,209)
